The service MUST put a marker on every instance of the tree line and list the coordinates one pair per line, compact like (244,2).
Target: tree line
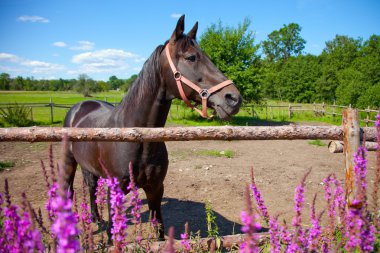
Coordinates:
(347,70)
(83,84)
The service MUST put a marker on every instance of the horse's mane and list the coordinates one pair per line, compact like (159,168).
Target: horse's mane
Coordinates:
(147,82)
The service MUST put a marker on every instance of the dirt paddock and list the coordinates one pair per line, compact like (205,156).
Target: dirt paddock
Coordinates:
(195,177)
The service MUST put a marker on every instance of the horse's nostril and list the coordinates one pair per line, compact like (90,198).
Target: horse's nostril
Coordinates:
(232,99)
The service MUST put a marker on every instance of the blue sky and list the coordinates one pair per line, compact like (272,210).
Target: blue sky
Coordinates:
(62,39)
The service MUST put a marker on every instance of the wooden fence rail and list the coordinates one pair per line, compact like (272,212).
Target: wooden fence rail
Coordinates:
(49,134)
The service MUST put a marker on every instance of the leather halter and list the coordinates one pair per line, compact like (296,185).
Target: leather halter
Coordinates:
(203,93)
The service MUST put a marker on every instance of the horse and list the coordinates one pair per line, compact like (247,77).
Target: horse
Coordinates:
(178,69)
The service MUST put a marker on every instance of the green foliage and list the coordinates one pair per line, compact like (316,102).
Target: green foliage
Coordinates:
(294,80)
(6,164)
(212,226)
(128,82)
(216,153)
(234,52)
(16,115)
(317,143)
(284,43)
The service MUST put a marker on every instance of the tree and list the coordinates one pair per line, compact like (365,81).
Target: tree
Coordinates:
(5,81)
(128,82)
(234,52)
(85,85)
(339,55)
(283,43)
(114,83)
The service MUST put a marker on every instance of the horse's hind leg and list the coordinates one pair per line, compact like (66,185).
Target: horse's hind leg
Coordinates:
(154,198)
(92,182)
(69,169)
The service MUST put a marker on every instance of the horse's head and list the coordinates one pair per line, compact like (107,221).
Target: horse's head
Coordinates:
(190,75)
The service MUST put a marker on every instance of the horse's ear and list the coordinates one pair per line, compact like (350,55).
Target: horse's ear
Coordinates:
(178,29)
(193,32)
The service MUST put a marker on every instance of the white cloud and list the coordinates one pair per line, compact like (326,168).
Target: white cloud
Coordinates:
(20,66)
(59,44)
(175,15)
(84,46)
(33,19)
(5,57)
(40,67)
(105,61)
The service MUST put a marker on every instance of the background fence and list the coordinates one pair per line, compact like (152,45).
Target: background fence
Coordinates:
(280,111)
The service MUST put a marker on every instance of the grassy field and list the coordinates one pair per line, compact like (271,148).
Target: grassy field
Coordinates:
(179,114)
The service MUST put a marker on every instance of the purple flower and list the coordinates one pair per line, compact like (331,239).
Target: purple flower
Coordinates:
(134,201)
(64,227)
(101,192)
(298,204)
(118,211)
(377,122)
(52,195)
(275,246)
(353,228)
(360,169)
(11,223)
(85,217)
(185,241)
(260,202)
(29,239)
(329,199)
(2,239)
(286,237)
(315,230)
(250,226)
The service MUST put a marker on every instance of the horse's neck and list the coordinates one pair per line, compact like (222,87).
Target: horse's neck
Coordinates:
(148,111)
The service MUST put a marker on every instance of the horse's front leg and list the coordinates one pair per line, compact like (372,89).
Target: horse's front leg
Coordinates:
(92,182)
(154,198)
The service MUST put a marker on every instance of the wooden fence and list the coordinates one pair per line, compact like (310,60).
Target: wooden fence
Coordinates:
(50,105)
(318,110)
(286,111)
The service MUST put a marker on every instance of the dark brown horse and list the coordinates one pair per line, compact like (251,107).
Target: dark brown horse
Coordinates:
(147,104)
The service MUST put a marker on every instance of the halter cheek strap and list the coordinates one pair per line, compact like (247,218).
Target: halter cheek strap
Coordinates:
(203,93)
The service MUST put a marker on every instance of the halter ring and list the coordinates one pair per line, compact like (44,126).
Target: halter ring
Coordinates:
(177,75)
(204,94)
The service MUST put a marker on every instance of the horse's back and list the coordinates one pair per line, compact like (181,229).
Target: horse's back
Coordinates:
(80,114)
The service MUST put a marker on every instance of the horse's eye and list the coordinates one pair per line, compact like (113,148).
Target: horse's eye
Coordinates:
(191,58)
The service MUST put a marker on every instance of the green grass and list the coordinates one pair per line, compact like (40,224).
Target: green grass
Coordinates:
(41,115)
(216,153)
(179,114)
(317,143)
(6,164)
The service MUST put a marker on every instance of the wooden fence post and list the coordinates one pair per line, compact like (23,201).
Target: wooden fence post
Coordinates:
(51,111)
(351,138)
(31,114)
(323,109)
(333,112)
(290,111)
(367,117)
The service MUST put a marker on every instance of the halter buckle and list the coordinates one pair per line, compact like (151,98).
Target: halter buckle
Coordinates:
(177,75)
(204,94)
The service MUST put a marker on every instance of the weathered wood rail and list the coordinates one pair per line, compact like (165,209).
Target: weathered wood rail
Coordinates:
(53,134)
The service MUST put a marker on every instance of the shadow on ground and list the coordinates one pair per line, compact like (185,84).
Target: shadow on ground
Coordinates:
(177,212)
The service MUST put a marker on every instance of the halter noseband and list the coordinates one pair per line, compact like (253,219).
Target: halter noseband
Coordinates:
(203,93)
